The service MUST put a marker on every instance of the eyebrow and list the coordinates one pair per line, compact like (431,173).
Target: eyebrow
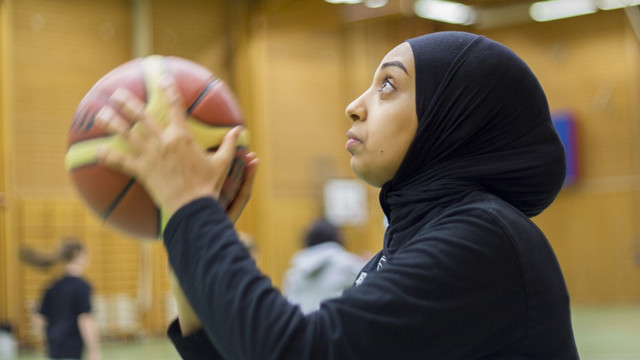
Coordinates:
(396,64)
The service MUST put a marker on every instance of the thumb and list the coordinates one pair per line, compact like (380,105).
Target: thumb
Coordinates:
(226,152)
(227,149)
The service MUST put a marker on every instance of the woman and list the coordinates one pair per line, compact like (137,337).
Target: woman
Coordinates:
(65,310)
(463,272)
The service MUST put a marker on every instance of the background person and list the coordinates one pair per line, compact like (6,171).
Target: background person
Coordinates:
(65,309)
(322,270)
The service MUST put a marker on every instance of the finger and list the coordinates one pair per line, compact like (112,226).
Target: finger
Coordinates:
(233,181)
(117,160)
(127,103)
(177,114)
(133,109)
(244,194)
(226,153)
(113,123)
(227,148)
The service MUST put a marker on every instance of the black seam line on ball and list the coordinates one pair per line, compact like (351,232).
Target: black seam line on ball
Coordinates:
(201,95)
(118,199)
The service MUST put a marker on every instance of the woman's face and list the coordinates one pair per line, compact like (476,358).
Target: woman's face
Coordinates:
(384,119)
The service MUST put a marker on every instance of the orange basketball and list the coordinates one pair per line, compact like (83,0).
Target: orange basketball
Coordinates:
(118,198)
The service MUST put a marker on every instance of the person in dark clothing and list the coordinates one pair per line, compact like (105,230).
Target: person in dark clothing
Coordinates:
(456,131)
(65,309)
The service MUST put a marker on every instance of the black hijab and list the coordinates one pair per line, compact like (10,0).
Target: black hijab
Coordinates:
(483,124)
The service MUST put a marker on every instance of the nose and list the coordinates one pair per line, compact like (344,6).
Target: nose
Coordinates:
(356,110)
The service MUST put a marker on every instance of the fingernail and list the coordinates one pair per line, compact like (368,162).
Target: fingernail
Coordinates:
(233,132)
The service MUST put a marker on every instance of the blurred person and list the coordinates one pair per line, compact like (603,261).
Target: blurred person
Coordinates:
(65,309)
(322,270)
(456,131)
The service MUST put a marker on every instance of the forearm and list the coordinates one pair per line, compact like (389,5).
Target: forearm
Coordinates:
(90,334)
(39,321)
(187,318)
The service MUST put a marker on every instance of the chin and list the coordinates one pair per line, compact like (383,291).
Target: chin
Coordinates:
(366,176)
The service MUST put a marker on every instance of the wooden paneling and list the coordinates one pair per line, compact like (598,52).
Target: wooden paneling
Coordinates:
(595,238)
(197,30)
(64,47)
(8,303)
(4,268)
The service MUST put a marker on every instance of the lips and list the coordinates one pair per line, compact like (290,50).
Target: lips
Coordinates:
(352,141)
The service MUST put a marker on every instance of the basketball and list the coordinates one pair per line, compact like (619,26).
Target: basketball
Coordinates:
(117,198)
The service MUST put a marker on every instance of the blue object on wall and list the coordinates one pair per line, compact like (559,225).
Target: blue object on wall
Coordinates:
(565,125)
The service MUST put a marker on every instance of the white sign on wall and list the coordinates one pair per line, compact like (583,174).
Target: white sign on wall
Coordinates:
(345,202)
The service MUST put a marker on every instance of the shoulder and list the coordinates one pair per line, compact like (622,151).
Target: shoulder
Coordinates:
(481,216)
(56,284)
(77,284)
(482,232)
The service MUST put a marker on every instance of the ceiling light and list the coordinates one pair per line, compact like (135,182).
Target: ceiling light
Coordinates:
(616,4)
(445,11)
(344,1)
(560,9)
(375,3)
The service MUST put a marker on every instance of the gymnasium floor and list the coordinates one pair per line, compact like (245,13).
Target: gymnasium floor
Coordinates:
(602,333)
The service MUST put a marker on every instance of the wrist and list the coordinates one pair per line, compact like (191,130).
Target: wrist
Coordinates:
(188,327)
(170,208)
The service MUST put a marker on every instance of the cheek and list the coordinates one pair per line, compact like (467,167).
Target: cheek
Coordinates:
(404,134)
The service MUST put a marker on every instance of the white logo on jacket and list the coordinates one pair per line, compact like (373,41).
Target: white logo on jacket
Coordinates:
(360,278)
(363,274)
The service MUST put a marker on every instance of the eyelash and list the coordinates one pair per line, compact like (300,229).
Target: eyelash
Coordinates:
(386,82)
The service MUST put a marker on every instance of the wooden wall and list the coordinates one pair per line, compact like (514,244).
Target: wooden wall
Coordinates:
(295,65)
(6,282)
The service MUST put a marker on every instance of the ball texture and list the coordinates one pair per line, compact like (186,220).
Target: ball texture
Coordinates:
(212,110)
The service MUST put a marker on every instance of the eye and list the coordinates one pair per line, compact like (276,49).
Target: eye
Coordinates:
(386,86)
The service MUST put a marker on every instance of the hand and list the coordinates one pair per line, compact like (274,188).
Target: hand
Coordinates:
(168,162)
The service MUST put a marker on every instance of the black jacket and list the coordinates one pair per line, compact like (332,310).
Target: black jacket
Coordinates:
(478,282)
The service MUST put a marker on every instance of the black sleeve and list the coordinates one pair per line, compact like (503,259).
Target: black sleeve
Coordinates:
(196,346)
(440,297)
(234,301)
(83,297)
